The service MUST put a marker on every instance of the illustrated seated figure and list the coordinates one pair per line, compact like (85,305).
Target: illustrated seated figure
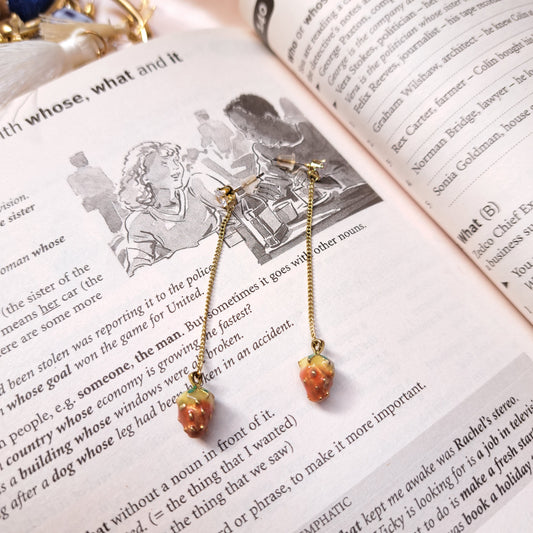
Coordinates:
(169,209)
(273,135)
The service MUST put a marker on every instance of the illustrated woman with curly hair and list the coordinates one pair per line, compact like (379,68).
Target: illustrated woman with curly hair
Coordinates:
(170,210)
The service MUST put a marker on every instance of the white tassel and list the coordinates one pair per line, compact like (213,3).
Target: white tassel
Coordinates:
(27,64)
(57,30)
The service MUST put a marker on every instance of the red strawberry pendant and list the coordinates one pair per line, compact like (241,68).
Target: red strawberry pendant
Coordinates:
(195,409)
(316,373)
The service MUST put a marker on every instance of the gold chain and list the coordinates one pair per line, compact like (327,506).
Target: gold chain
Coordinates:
(316,343)
(196,377)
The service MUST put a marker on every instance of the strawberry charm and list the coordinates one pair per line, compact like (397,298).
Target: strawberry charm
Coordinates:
(316,373)
(195,408)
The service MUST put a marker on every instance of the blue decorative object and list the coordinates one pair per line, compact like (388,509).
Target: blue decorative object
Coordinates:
(71,15)
(29,9)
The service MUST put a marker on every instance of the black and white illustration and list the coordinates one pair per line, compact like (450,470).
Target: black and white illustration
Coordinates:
(164,200)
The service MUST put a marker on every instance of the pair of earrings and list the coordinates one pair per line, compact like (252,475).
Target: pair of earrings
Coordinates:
(196,405)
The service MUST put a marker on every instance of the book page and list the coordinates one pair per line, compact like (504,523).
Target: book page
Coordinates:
(108,229)
(440,92)
(453,477)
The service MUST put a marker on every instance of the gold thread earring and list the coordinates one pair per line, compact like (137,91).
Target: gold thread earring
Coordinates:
(316,370)
(196,404)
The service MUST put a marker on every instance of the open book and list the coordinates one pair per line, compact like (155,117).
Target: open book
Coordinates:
(108,226)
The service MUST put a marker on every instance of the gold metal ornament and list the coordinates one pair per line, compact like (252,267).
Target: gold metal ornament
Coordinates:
(134,23)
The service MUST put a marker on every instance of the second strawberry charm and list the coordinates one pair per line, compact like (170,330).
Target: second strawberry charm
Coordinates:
(316,373)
